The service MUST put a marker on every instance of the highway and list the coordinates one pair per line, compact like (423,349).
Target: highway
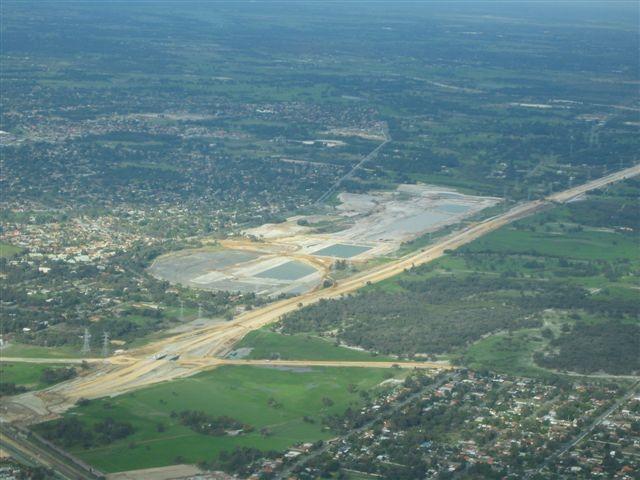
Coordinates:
(26,447)
(203,348)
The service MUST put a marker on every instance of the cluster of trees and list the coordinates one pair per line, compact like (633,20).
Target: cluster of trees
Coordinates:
(609,346)
(439,314)
(28,472)
(71,432)
(603,212)
(431,315)
(240,460)
(10,388)
(201,422)
(55,375)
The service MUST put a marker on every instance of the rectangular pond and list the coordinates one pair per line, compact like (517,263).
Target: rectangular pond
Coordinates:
(453,208)
(287,271)
(342,250)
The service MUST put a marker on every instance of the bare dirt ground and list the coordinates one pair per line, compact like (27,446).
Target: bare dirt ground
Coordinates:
(381,220)
(272,259)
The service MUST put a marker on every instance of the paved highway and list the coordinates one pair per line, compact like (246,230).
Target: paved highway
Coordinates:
(25,446)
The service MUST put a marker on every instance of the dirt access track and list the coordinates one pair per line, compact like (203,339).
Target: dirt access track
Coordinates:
(197,350)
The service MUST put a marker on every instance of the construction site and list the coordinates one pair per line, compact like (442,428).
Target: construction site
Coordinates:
(295,256)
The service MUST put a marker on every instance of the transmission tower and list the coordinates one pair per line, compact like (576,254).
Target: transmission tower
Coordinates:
(105,344)
(592,135)
(181,310)
(199,311)
(86,341)
(571,146)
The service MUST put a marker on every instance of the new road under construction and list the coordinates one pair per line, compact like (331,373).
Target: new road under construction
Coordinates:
(188,353)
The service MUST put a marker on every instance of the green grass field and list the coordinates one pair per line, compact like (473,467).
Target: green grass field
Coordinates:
(25,374)
(509,354)
(35,351)
(267,344)
(584,245)
(240,392)
(8,250)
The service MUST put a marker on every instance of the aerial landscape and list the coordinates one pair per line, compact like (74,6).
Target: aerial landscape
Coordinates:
(351,240)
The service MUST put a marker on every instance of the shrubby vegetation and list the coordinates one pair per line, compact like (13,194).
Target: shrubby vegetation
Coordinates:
(55,375)
(430,316)
(71,432)
(239,460)
(611,347)
(207,425)
(10,388)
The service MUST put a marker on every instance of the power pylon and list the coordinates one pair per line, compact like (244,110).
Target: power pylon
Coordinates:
(86,341)
(105,344)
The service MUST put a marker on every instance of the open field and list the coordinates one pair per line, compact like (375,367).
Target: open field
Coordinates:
(26,375)
(591,244)
(8,250)
(242,393)
(266,344)
(508,354)
(35,351)
(29,375)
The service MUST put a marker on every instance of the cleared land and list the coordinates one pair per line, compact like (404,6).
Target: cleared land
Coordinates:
(341,250)
(294,256)
(261,272)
